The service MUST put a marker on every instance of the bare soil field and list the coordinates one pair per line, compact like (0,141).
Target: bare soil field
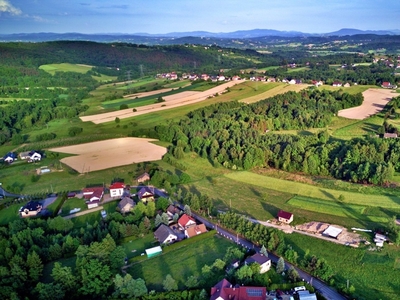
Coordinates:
(171,101)
(110,153)
(374,101)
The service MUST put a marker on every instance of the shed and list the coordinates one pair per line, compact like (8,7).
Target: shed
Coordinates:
(332,232)
(151,252)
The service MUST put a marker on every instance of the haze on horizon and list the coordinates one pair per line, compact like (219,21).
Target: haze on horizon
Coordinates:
(160,16)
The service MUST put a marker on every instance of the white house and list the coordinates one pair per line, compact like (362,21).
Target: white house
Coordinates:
(260,259)
(117,189)
(93,196)
(165,235)
(30,156)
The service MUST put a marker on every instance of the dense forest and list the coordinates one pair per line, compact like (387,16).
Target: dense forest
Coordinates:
(240,136)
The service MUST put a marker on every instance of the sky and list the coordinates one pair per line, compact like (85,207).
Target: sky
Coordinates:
(165,16)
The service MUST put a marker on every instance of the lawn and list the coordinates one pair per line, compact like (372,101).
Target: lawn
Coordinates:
(71,204)
(373,274)
(11,213)
(180,263)
(136,246)
(273,89)
(302,189)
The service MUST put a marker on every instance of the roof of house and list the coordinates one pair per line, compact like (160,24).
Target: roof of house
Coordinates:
(257,258)
(32,206)
(163,232)
(195,230)
(386,83)
(284,214)
(91,192)
(117,185)
(145,176)
(185,219)
(389,135)
(225,290)
(305,295)
(125,201)
(13,155)
(145,190)
(173,210)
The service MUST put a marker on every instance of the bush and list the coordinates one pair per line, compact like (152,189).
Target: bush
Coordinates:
(73,131)
(45,137)
(123,106)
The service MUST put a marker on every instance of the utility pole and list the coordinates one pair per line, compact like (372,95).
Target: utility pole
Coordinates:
(141,70)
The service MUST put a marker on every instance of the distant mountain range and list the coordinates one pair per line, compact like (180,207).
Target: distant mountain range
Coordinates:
(142,37)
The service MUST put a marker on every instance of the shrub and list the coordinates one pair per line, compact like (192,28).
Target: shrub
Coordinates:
(73,131)
(123,106)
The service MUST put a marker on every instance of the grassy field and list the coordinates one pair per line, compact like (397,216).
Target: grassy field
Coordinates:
(373,274)
(180,263)
(335,208)
(273,89)
(136,246)
(71,204)
(302,189)
(78,68)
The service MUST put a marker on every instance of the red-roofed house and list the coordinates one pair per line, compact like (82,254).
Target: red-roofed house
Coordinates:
(336,83)
(285,217)
(93,196)
(185,221)
(195,230)
(224,290)
(117,189)
(387,85)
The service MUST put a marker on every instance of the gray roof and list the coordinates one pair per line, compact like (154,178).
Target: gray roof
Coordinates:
(125,201)
(163,232)
(257,258)
(305,295)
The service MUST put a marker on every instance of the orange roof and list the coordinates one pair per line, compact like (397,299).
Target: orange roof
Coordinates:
(195,230)
(185,219)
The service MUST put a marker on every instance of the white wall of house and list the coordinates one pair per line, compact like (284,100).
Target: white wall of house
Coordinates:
(116,192)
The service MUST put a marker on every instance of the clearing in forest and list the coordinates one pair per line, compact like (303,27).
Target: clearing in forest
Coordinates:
(110,153)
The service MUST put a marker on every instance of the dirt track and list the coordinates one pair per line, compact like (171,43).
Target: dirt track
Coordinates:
(171,101)
(374,101)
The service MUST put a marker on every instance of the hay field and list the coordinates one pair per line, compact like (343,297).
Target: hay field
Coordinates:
(172,101)
(110,153)
(374,101)
(276,89)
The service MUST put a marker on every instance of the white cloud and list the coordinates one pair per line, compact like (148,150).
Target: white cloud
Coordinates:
(7,7)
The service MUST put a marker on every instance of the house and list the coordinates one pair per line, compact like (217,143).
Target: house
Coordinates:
(317,83)
(32,208)
(185,221)
(293,81)
(93,196)
(306,295)
(172,210)
(30,156)
(146,194)
(271,79)
(165,235)
(387,85)
(285,217)
(346,84)
(195,230)
(10,157)
(126,204)
(117,189)
(387,135)
(143,178)
(298,81)
(224,290)
(336,83)
(260,259)
(236,78)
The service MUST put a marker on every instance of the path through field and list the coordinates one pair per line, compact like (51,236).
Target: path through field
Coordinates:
(374,101)
(171,101)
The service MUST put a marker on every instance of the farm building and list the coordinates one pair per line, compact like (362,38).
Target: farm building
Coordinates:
(332,232)
(285,217)
(151,252)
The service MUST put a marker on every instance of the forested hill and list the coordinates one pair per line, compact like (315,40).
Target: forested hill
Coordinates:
(130,56)
(237,136)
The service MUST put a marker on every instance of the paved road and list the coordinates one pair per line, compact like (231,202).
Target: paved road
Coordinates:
(4,193)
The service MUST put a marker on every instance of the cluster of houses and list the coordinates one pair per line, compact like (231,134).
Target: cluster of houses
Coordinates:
(193,77)
(29,156)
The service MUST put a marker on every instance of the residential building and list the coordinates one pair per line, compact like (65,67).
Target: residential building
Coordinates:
(165,235)
(30,209)
(93,196)
(143,178)
(195,230)
(146,194)
(224,290)
(30,156)
(285,217)
(126,204)
(260,259)
(186,221)
(117,189)
(10,157)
